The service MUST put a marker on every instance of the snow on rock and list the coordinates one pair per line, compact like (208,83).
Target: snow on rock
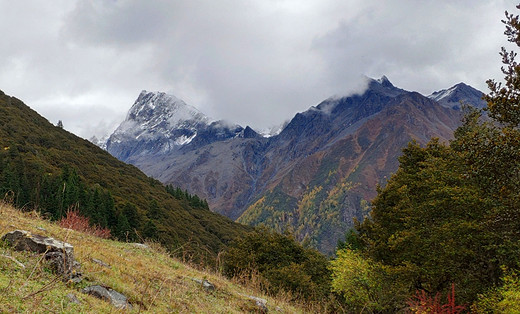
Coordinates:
(442,94)
(452,97)
(161,123)
(274,130)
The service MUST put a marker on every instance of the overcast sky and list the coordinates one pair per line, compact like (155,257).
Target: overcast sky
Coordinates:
(252,62)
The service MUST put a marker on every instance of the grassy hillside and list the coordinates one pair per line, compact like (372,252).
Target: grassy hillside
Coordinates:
(153,281)
(45,167)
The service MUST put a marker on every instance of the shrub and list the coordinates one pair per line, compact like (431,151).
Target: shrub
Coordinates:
(424,303)
(366,285)
(281,261)
(505,299)
(357,280)
(73,220)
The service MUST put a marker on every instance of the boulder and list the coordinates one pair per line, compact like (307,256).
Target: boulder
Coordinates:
(117,299)
(140,246)
(259,302)
(60,255)
(208,286)
(100,262)
(73,298)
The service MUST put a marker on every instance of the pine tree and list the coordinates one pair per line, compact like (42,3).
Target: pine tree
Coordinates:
(153,211)
(150,230)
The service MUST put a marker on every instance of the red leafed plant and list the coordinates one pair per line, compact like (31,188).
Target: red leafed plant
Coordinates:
(424,303)
(73,220)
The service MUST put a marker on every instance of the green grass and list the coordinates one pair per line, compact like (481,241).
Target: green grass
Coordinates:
(153,280)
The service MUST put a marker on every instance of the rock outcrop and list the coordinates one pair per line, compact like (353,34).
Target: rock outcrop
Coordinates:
(206,285)
(60,255)
(117,299)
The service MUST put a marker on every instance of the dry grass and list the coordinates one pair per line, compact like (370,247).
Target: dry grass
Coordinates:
(153,281)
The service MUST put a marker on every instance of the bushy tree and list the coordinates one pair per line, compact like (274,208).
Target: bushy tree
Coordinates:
(281,261)
(357,279)
(451,214)
(431,219)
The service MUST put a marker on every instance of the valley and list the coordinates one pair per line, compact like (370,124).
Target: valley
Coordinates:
(314,177)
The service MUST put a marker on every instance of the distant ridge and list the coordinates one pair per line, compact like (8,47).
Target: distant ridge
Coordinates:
(452,97)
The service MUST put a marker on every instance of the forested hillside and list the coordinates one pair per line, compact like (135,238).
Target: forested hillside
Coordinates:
(44,167)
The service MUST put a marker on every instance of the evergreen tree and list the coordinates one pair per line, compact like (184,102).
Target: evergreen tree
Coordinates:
(153,211)
(150,230)
(451,214)
(123,229)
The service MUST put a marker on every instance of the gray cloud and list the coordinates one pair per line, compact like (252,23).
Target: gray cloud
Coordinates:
(251,62)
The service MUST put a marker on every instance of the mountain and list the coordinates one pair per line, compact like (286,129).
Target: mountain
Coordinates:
(452,97)
(100,142)
(44,167)
(321,170)
(159,123)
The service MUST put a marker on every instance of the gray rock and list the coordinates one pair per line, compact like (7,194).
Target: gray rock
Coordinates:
(22,240)
(140,246)
(208,286)
(73,298)
(117,299)
(60,255)
(260,303)
(100,262)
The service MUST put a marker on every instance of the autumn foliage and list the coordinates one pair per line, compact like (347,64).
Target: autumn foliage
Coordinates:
(73,220)
(422,302)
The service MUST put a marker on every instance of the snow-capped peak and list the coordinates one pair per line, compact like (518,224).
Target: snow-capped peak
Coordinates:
(157,122)
(100,142)
(157,107)
(442,94)
(273,130)
(452,96)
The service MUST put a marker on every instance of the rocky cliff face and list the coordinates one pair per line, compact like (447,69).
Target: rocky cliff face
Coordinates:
(319,172)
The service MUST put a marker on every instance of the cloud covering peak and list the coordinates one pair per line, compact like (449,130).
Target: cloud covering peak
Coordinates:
(253,62)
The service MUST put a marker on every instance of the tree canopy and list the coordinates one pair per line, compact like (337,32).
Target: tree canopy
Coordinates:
(451,212)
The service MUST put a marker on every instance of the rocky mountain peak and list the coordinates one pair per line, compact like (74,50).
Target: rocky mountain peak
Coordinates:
(158,123)
(452,97)
(161,107)
(384,86)
(385,81)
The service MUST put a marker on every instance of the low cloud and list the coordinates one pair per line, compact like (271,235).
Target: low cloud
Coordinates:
(251,62)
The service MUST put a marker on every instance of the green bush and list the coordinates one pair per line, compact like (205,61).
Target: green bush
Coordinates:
(505,299)
(281,261)
(357,280)
(368,286)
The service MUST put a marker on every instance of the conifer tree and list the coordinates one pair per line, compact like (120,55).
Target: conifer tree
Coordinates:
(451,214)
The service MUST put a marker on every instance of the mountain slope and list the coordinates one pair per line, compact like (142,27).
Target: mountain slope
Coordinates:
(318,173)
(34,153)
(319,193)
(152,280)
